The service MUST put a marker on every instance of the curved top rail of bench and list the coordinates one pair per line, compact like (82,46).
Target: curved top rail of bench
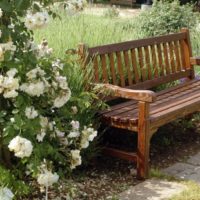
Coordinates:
(123,46)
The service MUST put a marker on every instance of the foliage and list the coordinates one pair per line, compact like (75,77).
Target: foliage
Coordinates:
(164,17)
(46,115)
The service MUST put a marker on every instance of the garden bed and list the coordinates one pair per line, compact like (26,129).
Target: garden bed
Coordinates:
(106,177)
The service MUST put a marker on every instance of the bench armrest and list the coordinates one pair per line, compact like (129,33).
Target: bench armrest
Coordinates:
(139,95)
(195,60)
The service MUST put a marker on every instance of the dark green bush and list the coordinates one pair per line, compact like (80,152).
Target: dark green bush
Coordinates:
(164,17)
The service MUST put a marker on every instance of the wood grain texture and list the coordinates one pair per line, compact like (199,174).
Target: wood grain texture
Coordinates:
(127,65)
(137,66)
(141,95)
(104,69)
(154,62)
(134,66)
(96,69)
(125,46)
(120,69)
(143,141)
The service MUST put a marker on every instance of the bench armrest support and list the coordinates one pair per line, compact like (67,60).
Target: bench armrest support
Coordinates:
(195,60)
(139,95)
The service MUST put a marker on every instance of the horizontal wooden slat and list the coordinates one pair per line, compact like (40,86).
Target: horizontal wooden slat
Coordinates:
(164,101)
(158,94)
(130,156)
(125,46)
(177,112)
(168,101)
(161,80)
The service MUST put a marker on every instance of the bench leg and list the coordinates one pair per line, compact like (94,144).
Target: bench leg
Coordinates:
(143,141)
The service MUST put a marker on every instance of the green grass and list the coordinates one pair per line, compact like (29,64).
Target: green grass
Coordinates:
(69,31)
(93,30)
(191,193)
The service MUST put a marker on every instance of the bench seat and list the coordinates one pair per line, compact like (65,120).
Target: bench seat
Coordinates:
(170,104)
(131,70)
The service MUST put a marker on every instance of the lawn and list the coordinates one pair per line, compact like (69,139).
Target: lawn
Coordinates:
(69,31)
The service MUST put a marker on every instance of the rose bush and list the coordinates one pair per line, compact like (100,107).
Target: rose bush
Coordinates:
(45,115)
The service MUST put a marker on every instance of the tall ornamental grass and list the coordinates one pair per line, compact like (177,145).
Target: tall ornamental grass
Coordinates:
(68,31)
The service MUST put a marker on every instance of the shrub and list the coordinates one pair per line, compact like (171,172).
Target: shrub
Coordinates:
(45,117)
(164,17)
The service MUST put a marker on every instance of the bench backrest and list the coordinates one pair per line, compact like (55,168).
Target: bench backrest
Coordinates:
(143,63)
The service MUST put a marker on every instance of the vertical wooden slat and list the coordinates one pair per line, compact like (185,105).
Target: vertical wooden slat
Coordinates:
(161,67)
(112,67)
(127,65)
(141,63)
(96,69)
(154,61)
(134,65)
(104,68)
(182,44)
(172,62)
(188,51)
(148,63)
(166,59)
(178,62)
(119,65)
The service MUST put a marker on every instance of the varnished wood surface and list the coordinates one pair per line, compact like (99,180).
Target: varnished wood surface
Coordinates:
(137,66)
(167,102)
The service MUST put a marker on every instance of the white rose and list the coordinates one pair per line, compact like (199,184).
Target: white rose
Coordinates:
(1,13)
(9,46)
(75,158)
(11,83)
(74,109)
(34,72)
(74,134)
(64,141)
(12,72)
(47,178)
(75,125)
(84,142)
(10,94)
(31,113)
(6,193)
(92,134)
(62,99)
(21,147)
(40,137)
(59,133)
(30,22)
(1,83)
(62,81)
(88,135)
(39,19)
(33,89)
(43,49)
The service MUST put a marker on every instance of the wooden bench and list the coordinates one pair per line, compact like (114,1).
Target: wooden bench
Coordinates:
(130,69)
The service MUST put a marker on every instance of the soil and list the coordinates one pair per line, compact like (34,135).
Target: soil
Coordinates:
(106,177)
